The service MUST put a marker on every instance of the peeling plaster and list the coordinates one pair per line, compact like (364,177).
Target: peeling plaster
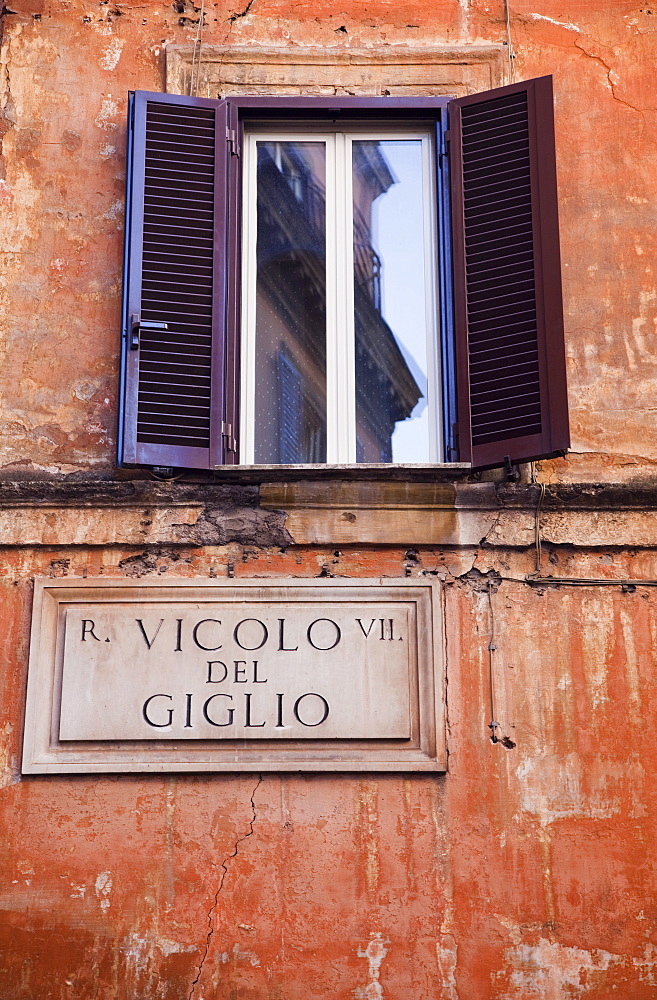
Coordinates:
(554,788)
(644,326)
(447,957)
(596,637)
(9,769)
(115,211)
(109,109)
(238,955)
(550,971)
(551,20)
(631,667)
(85,390)
(112,54)
(139,949)
(137,952)
(103,888)
(375,952)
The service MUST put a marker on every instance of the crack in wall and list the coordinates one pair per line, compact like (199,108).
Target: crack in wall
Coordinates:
(610,82)
(241,13)
(485,541)
(215,901)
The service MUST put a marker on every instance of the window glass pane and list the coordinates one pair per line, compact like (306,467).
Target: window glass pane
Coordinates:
(290,391)
(390,302)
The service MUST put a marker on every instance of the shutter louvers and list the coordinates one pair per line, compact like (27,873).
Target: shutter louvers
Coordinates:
(174,325)
(507,281)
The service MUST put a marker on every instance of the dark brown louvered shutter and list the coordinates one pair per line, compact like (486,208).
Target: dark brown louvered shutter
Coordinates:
(175,283)
(508,314)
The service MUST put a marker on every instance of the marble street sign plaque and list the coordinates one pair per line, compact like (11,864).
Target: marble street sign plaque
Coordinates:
(245,672)
(222,675)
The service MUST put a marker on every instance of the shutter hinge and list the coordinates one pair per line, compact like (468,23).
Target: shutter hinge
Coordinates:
(454,446)
(444,148)
(231,139)
(229,438)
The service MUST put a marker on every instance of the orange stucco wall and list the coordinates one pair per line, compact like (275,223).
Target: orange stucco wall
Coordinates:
(68,69)
(523,873)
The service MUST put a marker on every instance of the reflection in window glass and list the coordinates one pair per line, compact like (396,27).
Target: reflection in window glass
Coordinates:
(290,391)
(392,419)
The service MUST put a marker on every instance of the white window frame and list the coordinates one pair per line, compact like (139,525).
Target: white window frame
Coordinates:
(340,318)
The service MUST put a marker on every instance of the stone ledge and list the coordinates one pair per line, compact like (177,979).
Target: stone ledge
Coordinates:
(325,494)
(462,514)
(226,70)
(387,490)
(144,512)
(465,520)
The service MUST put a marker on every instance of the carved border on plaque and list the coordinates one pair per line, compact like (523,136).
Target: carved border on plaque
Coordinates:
(44,752)
(396,70)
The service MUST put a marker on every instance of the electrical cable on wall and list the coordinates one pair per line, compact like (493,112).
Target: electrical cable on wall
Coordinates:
(537,527)
(196,54)
(537,579)
(511,53)
(568,581)
(493,725)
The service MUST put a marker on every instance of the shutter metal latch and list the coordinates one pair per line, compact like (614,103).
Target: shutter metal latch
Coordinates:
(227,433)
(137,324)
(231,139)
(511,470)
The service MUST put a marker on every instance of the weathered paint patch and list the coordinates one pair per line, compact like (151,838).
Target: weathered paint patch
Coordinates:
(112,54)
(553,788)
(103,886)
(375,952)
(551,971)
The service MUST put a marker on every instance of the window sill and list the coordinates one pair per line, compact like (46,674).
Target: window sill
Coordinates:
(438,471)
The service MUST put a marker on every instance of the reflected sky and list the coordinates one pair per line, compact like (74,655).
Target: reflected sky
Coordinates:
(398,237)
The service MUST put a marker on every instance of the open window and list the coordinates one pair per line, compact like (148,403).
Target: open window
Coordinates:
(339,325)
(342,281)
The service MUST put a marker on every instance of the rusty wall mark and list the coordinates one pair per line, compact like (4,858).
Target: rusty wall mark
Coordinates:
(368,836)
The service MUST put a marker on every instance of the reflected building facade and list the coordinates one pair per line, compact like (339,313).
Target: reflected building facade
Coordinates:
(291,309)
